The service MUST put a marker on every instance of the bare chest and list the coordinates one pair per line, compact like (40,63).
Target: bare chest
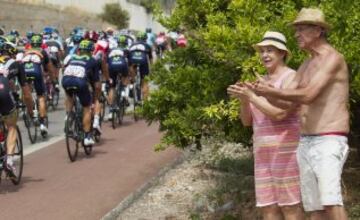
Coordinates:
(307,72)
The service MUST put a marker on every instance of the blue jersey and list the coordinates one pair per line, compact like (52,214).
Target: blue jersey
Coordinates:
(140,51)
(82,66)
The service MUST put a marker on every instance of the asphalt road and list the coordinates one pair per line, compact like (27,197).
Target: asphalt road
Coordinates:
(54,188)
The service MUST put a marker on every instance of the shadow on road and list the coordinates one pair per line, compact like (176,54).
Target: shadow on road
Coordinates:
(7,186)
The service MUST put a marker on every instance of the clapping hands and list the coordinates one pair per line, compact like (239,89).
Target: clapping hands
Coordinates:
(242,90)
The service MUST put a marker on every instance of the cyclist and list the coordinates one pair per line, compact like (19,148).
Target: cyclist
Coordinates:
(100,55)
(16,35)
(73,42)
(55,50)
(12,39)
(150,37)
(36,62)
(80,70)
(140,54)
(111,38)
(10,70)
(161,44)
(118,67)
(181,40)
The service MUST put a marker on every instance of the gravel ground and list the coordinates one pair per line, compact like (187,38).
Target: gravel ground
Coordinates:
(183,192)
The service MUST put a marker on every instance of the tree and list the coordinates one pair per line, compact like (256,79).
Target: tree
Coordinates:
(114,14)
(192,102)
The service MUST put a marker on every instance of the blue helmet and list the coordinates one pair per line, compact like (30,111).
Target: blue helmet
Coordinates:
(48,30)
(77,37)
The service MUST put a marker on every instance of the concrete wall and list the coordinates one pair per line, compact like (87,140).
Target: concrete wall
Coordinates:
(139,19)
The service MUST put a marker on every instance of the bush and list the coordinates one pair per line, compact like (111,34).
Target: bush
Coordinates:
(192,102)
(114,14)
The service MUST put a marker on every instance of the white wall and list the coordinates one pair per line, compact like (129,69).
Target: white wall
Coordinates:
(139,19)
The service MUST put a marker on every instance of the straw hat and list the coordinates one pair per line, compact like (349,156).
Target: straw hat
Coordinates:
(312,16)
(276,39)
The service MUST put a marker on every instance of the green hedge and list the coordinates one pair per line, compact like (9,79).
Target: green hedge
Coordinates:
(192,102)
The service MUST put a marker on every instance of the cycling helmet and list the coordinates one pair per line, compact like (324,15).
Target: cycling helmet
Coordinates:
(11,38)
(48,30)
(78,37)
(29,34)
(102,35)
(86,45)
(14,32)
(8,48)
(109,30)
(141,36)
(36,40)
(122,40)
(92,35)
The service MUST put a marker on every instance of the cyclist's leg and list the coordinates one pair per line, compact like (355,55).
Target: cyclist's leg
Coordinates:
(125,80)
(40,92)
(69,102)
(96,84)
(10,122)
(144,71)
(85,100)
(113,76)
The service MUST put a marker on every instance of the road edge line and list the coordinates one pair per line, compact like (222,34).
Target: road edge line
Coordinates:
(133,197)
(41,145)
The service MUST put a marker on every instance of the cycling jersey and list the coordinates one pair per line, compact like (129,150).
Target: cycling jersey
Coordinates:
(117,64)
(140,54)
(35,62)
(101,49)
(150,39)
(79,70)
(181,41)
(10,70)
(54,48)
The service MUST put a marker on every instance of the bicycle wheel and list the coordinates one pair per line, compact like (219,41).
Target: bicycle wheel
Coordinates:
(31,127)
(55,100)
(122,106)
(115,116)
(71,136)
(103,107)
(18,158)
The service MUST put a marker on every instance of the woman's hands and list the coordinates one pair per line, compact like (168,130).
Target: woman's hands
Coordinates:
(241,90)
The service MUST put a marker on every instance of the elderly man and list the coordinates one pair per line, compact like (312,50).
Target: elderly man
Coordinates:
(323,92)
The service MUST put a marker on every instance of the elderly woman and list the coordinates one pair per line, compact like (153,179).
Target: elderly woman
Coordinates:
(276,133)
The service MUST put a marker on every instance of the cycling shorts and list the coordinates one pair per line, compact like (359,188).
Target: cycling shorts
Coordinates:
(81,84)
(120,70)
(143,65)
(7,101)
(34,71)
